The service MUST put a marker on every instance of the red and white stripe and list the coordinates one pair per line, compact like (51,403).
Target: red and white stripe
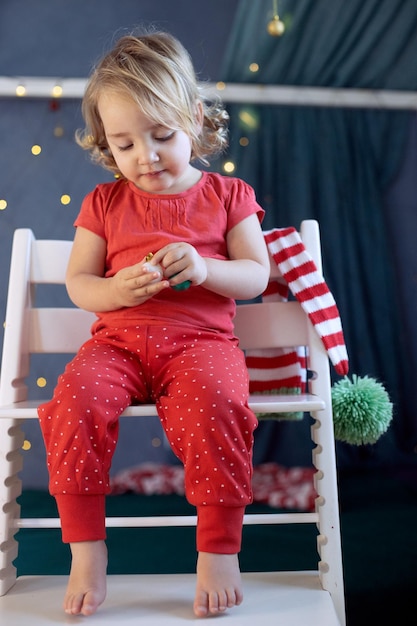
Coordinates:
(272,369)
(308,286)
(286,369)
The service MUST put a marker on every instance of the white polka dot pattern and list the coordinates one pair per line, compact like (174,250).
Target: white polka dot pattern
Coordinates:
(199,382)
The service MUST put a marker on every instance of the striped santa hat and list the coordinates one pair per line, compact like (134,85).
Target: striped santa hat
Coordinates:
(274,369)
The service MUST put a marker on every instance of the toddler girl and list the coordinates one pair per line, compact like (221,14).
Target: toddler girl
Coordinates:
(160,255)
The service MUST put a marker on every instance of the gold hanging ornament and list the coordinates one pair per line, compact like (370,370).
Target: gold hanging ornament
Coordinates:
(275,26)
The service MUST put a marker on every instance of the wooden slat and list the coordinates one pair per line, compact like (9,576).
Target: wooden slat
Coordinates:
(163,521)
(271,324)
(42,270)
(58,330)
(258,403)
(63,330)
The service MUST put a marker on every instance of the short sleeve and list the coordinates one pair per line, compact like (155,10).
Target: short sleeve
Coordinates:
(241,203)
(92,213)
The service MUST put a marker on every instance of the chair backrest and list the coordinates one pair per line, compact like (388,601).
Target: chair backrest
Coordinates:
(32,329)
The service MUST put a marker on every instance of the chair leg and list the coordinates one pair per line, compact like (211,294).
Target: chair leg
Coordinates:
(327,507)
(11,440)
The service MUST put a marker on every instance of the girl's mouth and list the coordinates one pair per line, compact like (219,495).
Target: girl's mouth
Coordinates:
(153,173)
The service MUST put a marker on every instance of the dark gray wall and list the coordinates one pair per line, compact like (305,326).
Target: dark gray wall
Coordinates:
(64,37)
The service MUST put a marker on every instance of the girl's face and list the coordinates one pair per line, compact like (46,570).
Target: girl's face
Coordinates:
(153,157)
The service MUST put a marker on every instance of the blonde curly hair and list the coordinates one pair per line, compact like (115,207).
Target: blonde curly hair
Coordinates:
(156,71)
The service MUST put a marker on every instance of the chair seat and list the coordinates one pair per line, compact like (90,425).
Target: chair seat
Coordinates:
(289,598)
(259,403)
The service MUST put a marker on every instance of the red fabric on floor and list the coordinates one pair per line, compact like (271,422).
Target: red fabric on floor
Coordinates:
(273,484)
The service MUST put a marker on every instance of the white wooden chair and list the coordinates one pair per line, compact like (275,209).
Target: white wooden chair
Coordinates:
(289,598)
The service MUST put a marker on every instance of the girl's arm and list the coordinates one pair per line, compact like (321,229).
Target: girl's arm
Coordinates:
(89,289)
(246,275)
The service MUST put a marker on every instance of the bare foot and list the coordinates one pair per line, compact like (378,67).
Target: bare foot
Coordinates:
(86,588)
(219,584)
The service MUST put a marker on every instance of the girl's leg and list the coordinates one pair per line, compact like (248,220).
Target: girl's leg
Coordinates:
(80,429)
(86,588)
(219,585)
(203,408)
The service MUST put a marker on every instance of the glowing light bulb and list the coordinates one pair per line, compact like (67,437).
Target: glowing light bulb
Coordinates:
(3,204)
(65,199)
(36,150)
(249,118)
(41,382)
(20,90)
(229,167)
(57,91)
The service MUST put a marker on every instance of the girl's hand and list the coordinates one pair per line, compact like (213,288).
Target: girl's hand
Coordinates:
(181,262)
(242,276)
(88,287)
(135,284)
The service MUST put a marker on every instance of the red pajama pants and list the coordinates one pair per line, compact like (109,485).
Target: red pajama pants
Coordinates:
(199,382)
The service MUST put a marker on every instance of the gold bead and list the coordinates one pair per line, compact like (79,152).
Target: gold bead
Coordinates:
(275,27)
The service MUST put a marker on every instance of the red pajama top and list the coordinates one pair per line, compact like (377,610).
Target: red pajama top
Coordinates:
(135,223)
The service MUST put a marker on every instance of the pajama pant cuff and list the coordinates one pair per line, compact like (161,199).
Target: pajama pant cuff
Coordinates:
(219,529)
(83,518)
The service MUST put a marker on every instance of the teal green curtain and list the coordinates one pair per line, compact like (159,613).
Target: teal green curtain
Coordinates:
(335,165)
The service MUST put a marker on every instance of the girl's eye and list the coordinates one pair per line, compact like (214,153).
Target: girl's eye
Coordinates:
(124,148)
(167,137)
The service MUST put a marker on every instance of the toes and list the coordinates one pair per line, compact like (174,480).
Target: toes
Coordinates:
(235,598)
(73,604)
(218,602)
(201,604)
(82,604)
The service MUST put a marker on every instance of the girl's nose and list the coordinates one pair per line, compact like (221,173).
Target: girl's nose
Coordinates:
(147,155)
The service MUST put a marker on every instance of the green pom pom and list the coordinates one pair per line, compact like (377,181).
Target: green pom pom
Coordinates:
(362,410)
